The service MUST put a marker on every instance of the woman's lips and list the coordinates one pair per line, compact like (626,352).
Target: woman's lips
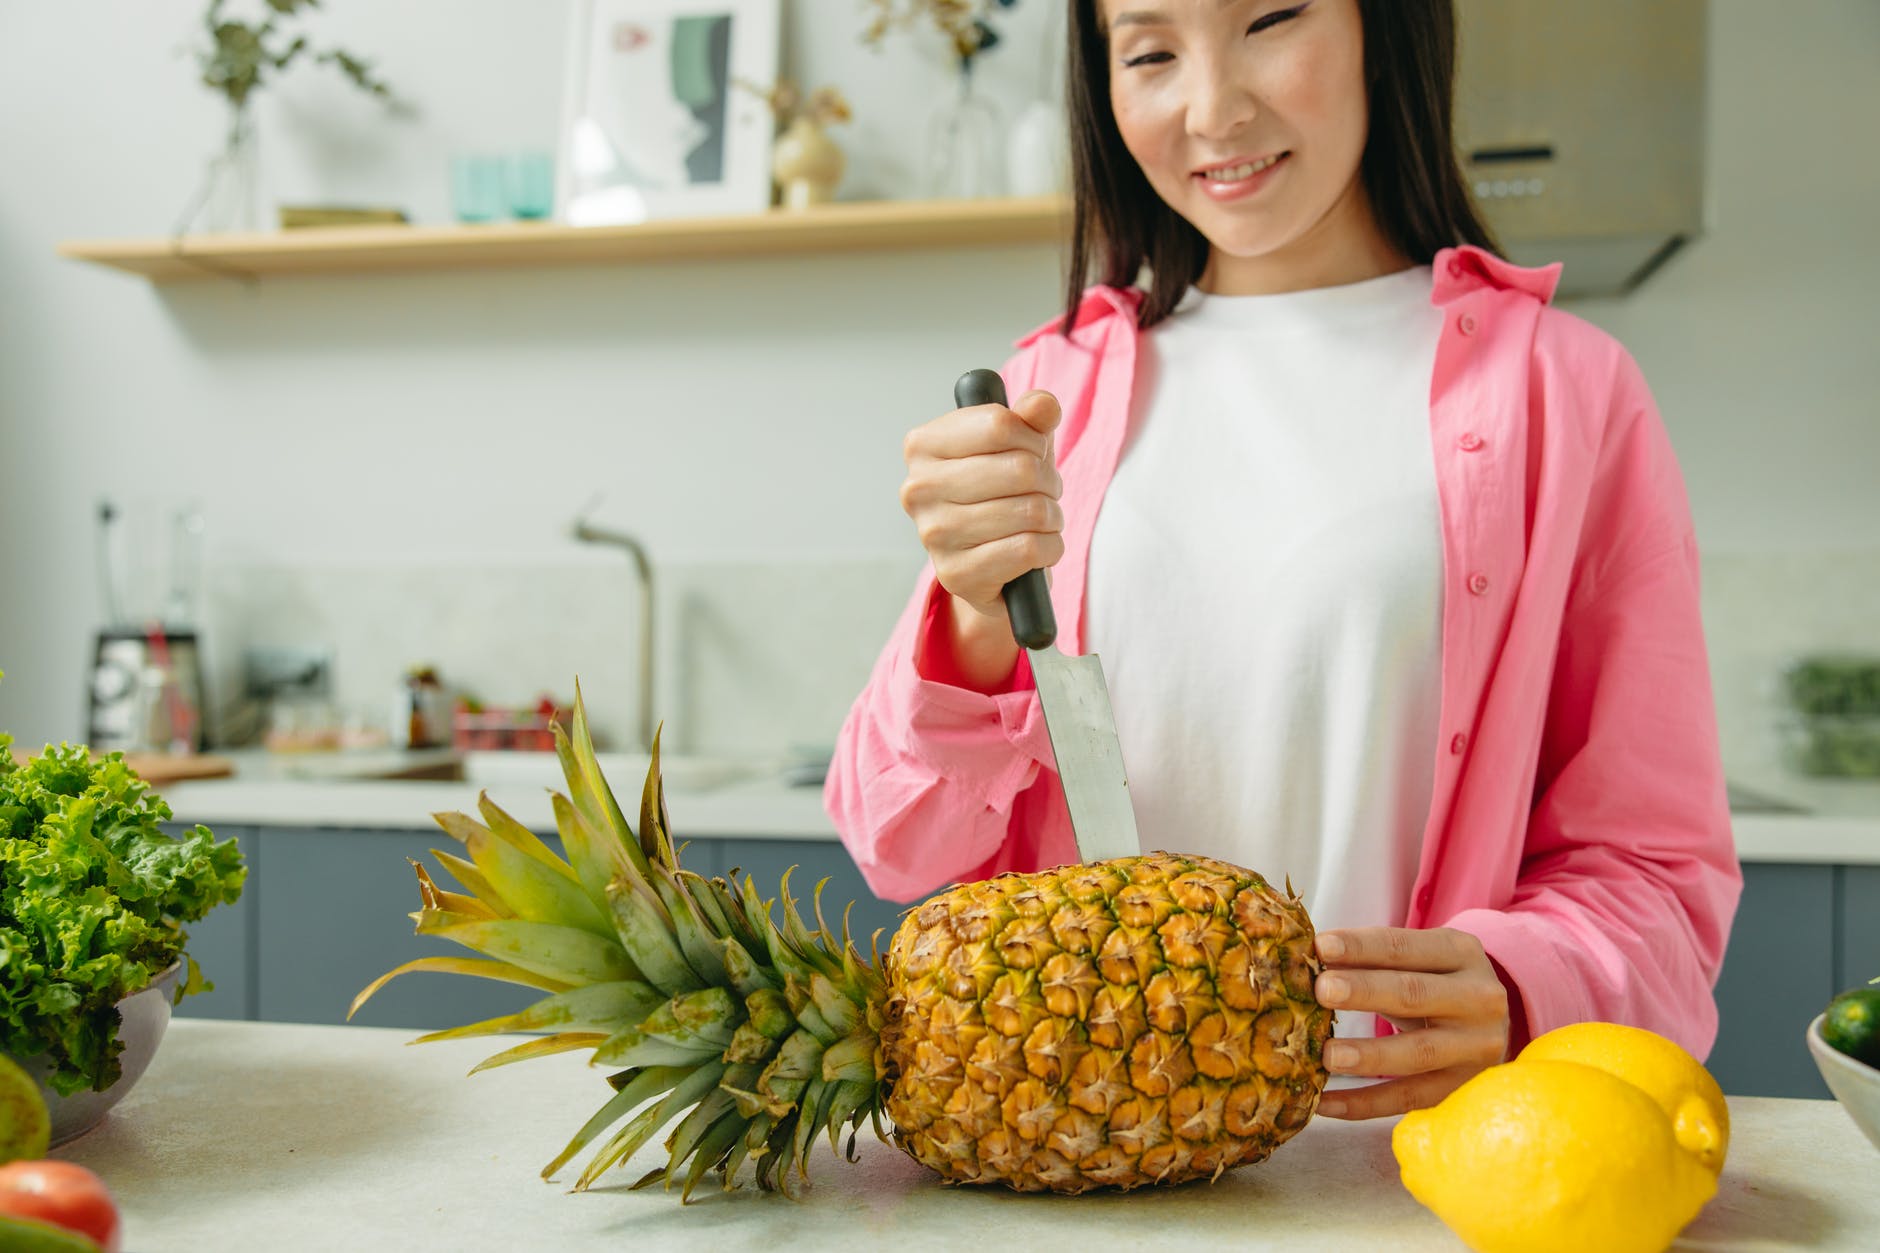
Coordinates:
(1241,188)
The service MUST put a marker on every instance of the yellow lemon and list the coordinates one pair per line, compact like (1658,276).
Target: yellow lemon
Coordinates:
(1551,1157)
(25,1126)
(1679,1083)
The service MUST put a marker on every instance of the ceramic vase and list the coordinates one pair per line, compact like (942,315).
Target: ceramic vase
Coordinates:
(807,164)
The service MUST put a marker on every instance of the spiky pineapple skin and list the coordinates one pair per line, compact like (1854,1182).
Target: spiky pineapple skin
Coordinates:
(1146,1020)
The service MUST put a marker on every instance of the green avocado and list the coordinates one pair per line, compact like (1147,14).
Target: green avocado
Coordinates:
(1852,1024)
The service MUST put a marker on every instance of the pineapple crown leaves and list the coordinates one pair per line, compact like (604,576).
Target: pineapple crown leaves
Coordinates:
(756,1035)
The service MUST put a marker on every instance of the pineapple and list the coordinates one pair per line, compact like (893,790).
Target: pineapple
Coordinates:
(1137,1021)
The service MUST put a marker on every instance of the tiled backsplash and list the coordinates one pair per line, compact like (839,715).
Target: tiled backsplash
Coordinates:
(760,657)
(751,658)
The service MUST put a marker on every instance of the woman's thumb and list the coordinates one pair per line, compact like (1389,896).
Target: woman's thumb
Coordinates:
(1040,410)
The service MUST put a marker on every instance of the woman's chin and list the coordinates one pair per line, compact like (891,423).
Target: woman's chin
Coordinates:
(1241,244)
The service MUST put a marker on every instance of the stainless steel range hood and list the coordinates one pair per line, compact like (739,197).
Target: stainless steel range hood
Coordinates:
(1581,131)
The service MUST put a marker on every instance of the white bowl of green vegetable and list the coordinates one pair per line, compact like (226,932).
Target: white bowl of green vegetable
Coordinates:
(143,1018)
(92,921)
(1845,1042)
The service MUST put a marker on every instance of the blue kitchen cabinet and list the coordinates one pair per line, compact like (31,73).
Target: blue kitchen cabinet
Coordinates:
(1777,974)
(223,941)
(334,914)
(1860,926)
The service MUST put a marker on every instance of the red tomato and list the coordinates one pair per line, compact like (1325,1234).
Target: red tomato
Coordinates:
(64,1194)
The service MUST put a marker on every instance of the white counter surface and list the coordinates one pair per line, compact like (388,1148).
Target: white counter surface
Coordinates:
(759,809)
(247,1136)
(1838,822)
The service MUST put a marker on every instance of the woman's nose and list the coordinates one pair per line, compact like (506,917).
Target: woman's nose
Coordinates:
(1219,106)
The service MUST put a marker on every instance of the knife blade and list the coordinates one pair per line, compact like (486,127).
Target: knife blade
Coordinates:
(1072,691)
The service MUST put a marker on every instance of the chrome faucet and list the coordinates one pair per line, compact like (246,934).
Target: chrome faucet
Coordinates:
(588,533)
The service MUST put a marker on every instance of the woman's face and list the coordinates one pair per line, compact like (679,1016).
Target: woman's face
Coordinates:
(1249,118)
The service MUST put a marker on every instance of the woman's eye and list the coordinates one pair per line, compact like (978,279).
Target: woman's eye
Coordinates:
(1147,58)
(1274,19)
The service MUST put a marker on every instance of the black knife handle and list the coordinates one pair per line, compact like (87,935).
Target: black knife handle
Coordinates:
(1027,597)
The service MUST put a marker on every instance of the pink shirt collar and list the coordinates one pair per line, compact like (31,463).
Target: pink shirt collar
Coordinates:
(1458,272)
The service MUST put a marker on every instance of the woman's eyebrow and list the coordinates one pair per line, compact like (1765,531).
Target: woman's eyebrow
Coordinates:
(1139,17)
(1153,17)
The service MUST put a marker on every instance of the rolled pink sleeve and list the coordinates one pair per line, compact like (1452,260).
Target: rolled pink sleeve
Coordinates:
(933,783)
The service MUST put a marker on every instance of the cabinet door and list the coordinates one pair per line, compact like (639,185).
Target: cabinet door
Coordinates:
(334,914)
(223,941)
(1860,927)
(1777,975)
(766,860)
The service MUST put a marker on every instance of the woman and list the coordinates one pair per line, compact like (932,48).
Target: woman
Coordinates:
(1389,562)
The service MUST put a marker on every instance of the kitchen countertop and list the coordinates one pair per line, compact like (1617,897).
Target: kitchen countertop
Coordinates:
(329,791)
(1835,821)
(759,809)
(264,1135)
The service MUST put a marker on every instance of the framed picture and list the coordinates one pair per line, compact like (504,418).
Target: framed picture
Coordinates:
(653,123)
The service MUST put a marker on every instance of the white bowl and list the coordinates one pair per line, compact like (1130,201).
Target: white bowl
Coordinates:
(1855,1084)
(145,1015)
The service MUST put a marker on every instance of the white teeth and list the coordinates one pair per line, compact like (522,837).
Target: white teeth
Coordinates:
(1235,173)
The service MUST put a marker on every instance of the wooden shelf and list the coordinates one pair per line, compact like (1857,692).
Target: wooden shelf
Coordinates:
(841,227)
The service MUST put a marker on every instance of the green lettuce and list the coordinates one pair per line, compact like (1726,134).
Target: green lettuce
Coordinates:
(93,898)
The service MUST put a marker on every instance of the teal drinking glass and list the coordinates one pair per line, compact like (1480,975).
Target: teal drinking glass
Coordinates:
(476,187)
(531,185)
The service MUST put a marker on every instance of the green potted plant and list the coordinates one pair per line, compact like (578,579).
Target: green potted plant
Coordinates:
(237,60)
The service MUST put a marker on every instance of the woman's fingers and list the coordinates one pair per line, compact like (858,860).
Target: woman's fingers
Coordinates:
(1416,1052)
(1436,950)
(979,574)
(1409,993)
(982,489)
(973,525)
(1398,1096)
(1027,426)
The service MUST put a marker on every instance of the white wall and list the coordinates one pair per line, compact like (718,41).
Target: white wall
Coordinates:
(739,412)
(1760,340)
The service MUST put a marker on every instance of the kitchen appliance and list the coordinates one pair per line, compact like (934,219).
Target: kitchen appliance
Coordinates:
(146,691)
(1075,698)
(1581,132)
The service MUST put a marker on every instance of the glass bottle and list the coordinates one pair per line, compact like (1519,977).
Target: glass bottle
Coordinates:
(965,145)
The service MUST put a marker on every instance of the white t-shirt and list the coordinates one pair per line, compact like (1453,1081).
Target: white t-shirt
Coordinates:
(1265,590)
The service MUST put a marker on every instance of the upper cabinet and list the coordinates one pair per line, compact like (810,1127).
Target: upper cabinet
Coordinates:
(1581,131)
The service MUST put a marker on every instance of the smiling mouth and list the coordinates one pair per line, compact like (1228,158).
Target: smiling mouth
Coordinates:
(1227,174)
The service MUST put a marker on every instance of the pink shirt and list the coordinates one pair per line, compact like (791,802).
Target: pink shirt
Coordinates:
(1578,825)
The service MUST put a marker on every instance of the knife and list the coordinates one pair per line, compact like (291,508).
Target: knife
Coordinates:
(1075,698)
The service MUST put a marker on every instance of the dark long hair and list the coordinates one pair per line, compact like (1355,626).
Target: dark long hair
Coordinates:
(1409,166)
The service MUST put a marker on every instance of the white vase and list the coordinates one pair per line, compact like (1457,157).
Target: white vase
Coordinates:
(1037,159)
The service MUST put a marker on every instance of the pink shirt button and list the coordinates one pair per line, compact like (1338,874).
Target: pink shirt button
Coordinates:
(1466,324)
(1478,584)
(1471,442)
(1456,268)
(1457,743)
(1424,897)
